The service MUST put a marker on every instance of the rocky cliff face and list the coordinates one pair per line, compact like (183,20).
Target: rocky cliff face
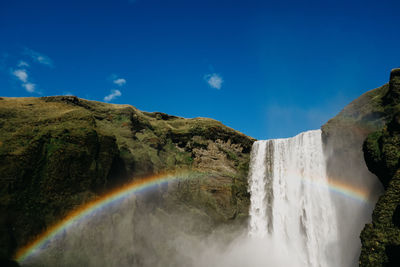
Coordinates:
(57,153)
(381,238)
(343,137)
(373,115)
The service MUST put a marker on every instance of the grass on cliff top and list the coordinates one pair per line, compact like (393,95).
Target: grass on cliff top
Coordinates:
(34,112)
(367,111)
(155,138)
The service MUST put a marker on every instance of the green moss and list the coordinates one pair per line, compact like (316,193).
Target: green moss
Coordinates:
(121,118)
(382,156)
(243,166)
(372,145)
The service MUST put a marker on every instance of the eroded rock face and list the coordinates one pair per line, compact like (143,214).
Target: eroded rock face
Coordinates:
(57,153)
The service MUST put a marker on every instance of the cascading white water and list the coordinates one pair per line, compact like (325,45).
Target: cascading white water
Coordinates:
(290,204)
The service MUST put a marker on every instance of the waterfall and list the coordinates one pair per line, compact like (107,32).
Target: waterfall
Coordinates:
(290,204)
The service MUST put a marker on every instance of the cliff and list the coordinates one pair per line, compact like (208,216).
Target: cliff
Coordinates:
(343,138)
(362,140)
(57,153)
(381,238)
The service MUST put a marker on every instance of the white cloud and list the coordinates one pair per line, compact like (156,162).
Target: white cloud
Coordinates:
(21,74)
(38,57)
(214,80)
(22,63)
(30,87)
(114,94)
(119,81)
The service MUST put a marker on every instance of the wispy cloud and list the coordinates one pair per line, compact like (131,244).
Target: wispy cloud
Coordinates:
(119,81)
(214,80)
(67,93)
(30,87)
(23,77)
(22,63)
(39,57)
(21,74)
(114,94)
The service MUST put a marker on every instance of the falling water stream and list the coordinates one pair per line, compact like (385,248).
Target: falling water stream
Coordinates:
(288,207)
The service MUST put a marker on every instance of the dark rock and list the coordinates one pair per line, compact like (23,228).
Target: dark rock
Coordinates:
(8,263)
(72,100)
(393,256)
(396,216)
(393,95)
(394,124)
(164,116)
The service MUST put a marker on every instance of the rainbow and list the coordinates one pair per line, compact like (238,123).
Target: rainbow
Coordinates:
(347,190)
(140,185)
(86,210)
(338,187)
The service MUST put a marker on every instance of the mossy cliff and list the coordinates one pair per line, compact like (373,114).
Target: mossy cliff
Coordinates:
(371,118)
(381,238)
(57,153)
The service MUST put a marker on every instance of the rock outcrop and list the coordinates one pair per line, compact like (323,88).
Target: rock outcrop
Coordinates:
(381,238)
(344,137)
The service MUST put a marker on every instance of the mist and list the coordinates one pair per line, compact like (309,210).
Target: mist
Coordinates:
(345,163)
(155,228)
(141,232)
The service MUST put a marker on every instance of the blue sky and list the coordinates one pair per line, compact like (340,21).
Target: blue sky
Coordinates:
(266,68)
